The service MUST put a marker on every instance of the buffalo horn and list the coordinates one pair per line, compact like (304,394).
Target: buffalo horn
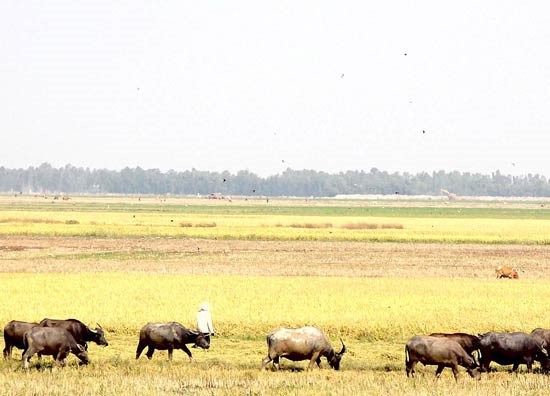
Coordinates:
(98,325)
(343,347)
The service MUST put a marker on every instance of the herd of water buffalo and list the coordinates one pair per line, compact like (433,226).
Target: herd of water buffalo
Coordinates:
(59,338)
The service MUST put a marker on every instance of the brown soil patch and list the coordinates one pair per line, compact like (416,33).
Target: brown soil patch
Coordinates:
(197,256)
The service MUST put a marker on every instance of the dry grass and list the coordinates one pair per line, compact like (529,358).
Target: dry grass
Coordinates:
(311,225)
(374,316)
(29,220)
(371,226)
(204,225)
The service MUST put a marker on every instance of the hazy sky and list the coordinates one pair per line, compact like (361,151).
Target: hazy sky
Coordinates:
(257,85)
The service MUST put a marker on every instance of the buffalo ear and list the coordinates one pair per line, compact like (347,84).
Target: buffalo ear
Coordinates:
(81,348)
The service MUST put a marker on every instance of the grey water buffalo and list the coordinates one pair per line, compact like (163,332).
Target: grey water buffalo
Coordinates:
(511,348)
(54,341)
(302,344)
(13,335)
(169,336)
(441,352)
(468,342)
(81,333)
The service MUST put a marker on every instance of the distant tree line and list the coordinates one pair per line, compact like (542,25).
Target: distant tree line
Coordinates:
(70,179)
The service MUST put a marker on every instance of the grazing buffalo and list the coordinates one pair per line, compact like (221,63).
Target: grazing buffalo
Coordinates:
(511,348)
(169,336)
(54,341)
(301,344)
(504,271)
(441,352)
(13,335)
(543,335)
(468,342)
(81,333)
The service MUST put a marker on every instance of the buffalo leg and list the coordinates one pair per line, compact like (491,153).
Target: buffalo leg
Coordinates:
(438,371)
(529,364)
(455,372)
(26,357)
(60,361)
(276,362)
(170,353)
(7,351)
(410,368)
(187,351)
(141,346)
(265,361)
(62,357)
(314,357)
(150,352)
(318,361)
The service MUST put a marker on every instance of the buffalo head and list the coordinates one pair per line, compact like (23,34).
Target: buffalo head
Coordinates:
(201,342)
(99,336)
(82,354)
(334,360)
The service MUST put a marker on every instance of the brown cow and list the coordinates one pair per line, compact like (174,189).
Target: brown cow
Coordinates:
(505,271)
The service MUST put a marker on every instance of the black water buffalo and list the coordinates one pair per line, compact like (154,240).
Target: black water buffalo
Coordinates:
(301,344)
(13,335)
(468,342)
(54,341)
(81,333)
(511,348)
(169,336)
(441,352)
(543,336)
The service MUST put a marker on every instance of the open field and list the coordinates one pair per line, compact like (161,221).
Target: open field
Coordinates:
(317,221)
(373,295)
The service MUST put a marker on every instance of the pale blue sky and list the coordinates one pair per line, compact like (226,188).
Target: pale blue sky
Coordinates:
(237,85)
